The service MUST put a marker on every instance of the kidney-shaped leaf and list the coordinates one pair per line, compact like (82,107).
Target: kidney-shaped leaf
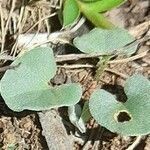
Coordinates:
(105,41)
(130,118)
(26,86)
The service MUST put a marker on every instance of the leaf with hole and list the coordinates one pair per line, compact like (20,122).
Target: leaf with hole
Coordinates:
(70,12)
(130,118)
(26,86)
(105,42)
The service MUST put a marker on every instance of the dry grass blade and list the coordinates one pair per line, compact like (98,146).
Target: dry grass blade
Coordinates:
(16,18)
(2,28)
(7,25)
(135,143)
(42,19)
(19,27)
(6,57)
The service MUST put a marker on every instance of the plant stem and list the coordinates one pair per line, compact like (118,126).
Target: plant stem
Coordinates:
(101,65)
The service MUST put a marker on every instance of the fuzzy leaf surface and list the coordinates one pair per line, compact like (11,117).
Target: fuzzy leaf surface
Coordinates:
(105,108)
(105,42)
(26,86)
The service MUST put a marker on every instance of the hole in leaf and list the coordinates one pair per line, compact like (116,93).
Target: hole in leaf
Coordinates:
(122,116)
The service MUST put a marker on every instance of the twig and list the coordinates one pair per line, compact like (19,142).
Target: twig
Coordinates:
(66,35)
(117,73)
(75,57)
(140,29)
(135,143)
(62,58)
(5,68)
(138,56)
(76,66)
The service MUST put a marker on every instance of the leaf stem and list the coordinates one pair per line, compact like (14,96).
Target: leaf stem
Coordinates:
(101,65)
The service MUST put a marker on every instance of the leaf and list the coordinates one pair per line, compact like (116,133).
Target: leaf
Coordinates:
(70,12)
(92,9)
(86,115)
(137,89)
(74,113)
(99,5)
(105,41)
(94,16)
(98,19)
(79,117)
(26,86)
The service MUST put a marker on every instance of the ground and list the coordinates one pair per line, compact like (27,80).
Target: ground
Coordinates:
(45,130)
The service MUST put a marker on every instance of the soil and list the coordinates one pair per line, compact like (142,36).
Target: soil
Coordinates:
(30,130)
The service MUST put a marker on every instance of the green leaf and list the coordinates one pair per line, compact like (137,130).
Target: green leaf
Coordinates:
(106,109)
(74,113)
(70,12)
(26,86)
(98,19)
(99,5)
(94,16)
(92,9)
(105,41)
(86,115)
(79,117)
